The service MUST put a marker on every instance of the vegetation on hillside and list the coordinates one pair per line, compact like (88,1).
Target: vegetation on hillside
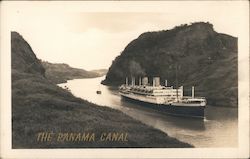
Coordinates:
(60,72)
(39,105)
(201,57)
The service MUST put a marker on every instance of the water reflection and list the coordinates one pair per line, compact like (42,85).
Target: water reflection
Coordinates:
(219,129)
(193,123)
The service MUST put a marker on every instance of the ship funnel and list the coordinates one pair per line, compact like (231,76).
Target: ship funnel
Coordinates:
(139,81)
(126,81)
(166,83)
(192,91)
(156,81)
(181,93)
(133,81)
(144,81)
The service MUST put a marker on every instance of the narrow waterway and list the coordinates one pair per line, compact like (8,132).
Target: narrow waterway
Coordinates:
(218,129)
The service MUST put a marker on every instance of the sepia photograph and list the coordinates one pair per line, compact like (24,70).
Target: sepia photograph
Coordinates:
(112,79)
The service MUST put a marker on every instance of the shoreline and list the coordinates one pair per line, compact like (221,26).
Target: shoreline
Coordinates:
(60,111)
(103,82)
(41,108)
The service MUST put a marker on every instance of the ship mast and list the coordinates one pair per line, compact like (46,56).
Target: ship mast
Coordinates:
(176,81)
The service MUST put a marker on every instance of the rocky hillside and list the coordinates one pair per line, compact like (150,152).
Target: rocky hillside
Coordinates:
(39,106)
(60,73)
(200,56)
(24,60)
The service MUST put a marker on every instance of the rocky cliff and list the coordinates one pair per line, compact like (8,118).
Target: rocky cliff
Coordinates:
(200,56)
(23,58)
(39,106)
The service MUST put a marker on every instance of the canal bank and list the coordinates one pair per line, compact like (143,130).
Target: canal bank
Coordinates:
(218,129)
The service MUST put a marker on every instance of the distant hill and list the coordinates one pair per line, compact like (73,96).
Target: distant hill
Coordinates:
(60,72)
(100,72)
(204,58)
(38,106)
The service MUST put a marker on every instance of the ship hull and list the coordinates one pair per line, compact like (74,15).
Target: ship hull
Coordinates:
(185,111)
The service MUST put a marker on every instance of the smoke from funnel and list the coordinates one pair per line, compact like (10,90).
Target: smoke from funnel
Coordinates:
(135,69)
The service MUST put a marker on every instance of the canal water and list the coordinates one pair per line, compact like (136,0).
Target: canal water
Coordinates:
(218,129)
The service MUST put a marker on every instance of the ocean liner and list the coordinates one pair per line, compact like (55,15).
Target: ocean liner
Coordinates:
(163,98)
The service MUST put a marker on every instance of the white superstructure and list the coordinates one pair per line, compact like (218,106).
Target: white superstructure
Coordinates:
(158,94)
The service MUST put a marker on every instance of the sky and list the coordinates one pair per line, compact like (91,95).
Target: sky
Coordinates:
(90,35)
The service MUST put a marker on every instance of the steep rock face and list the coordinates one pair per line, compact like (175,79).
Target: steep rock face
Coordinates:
(23,58)
(199,55)
(38,106)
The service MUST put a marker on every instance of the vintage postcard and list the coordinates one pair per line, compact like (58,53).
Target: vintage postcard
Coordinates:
(123,79)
